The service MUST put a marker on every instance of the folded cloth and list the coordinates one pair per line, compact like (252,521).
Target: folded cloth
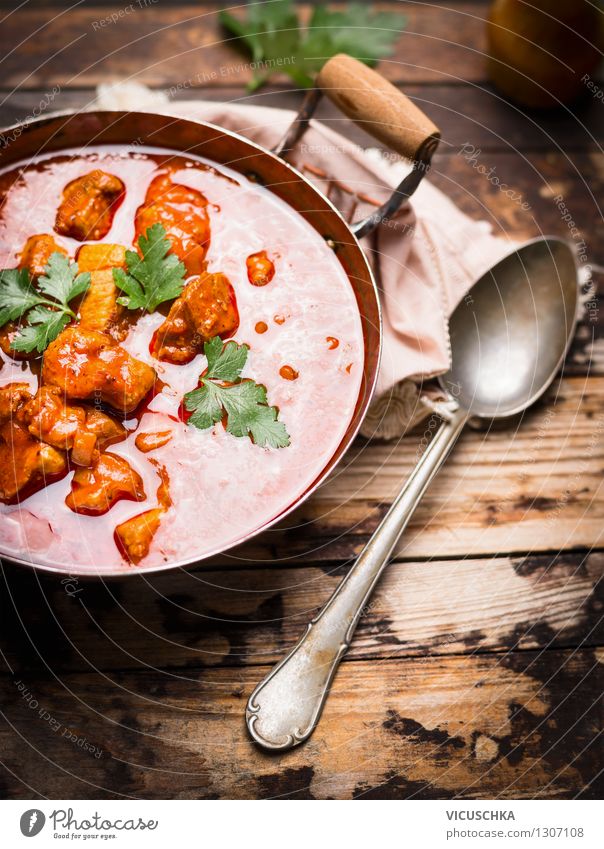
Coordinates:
(425,258)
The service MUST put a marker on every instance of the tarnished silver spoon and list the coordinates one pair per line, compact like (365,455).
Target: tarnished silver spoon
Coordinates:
(509,336)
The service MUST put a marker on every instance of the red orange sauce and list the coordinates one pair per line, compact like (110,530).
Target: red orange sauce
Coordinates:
(222,487)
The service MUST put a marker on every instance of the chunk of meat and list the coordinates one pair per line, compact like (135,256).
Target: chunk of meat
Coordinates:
(7,333)
(94,491)
(86,364)
(84,448)
(101,257)
(206,308)
(134,536)
(260,269)
(26,464)
(88,206)
(47,417)
(37,252)
(183,213)
(106,429)
(151,440)
(13,398)
(51,420)
(100,309)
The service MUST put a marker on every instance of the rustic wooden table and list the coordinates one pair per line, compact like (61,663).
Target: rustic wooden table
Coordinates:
(477,670)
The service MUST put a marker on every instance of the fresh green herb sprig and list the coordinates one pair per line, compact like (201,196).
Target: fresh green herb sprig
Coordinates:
(155,277)
(273,35)
(45,307)
(243,401)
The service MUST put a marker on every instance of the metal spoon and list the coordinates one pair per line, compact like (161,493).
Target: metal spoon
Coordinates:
(509,336)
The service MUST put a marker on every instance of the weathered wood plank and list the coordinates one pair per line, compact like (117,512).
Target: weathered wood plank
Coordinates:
(464,113)
(519,726)
(166,44)
(553,184)
(247,617)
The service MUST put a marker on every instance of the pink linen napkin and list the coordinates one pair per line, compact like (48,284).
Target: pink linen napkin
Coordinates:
(425,258)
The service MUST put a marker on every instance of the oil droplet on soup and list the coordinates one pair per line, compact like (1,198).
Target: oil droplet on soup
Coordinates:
(260,269)
(288,373)
(261,327)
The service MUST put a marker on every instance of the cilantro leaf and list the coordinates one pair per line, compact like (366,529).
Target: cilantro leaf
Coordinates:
(206,405)
(240,402)
(61,280)
(17,295)
(43,328)
(265,428)
(136,294)
(225,362)
(359,31)
(272,33)
(45,308)
(155,277)
(243,401)
(248,413)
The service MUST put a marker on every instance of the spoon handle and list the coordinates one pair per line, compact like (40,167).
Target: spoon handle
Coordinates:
(285,707)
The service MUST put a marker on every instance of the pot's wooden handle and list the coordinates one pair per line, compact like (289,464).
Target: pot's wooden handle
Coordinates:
(378,107)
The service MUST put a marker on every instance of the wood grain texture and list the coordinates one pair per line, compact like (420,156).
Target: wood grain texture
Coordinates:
(164,45)
(522,725)
(247,617)
(474,114)
(554,185)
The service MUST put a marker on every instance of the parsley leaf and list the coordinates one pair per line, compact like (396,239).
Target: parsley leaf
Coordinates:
(155,277)
(44,326)
(61,280)
(244,401)
(205,404)
(17,295)
(271,32)
(45,308)
(225,362)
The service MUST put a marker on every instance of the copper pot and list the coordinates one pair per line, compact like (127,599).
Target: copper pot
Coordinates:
(365,97)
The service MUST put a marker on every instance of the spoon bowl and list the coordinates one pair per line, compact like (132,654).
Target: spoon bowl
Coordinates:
(511,332)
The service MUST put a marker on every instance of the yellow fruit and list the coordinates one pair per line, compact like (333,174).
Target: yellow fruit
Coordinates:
(539,53)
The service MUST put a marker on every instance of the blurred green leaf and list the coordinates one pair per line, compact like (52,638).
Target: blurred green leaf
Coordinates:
(276,40)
